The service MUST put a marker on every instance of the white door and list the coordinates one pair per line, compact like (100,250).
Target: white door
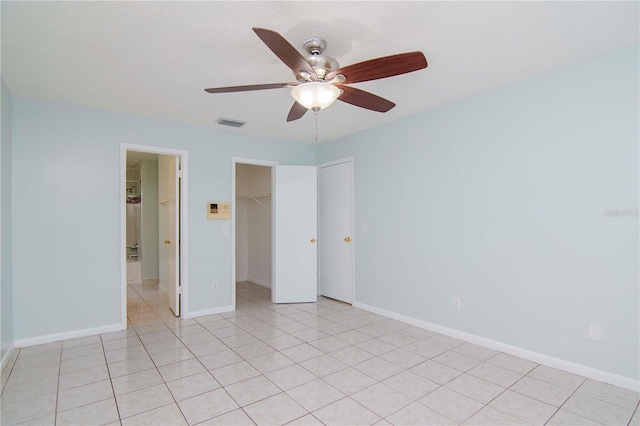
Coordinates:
(335,231)
(168,223)
(295,200)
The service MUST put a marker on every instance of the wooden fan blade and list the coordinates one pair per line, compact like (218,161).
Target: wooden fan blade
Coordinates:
(285,51)
(249,87)
(366,100)
(296,112)
(383,67)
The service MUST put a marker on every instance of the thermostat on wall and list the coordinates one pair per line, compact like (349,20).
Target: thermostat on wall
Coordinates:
(218,210)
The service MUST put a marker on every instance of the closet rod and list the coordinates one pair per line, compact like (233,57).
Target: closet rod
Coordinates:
(255,197)
(266,194)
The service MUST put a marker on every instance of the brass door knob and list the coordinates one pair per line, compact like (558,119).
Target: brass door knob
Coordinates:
(347,239)
(313,240)
(167,241)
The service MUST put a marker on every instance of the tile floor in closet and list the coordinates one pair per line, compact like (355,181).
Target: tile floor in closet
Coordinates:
(305,364)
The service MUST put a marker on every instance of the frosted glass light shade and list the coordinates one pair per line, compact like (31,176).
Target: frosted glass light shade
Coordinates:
(315,95)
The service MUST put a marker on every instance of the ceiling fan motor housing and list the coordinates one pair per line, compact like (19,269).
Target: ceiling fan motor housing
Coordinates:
(322,64)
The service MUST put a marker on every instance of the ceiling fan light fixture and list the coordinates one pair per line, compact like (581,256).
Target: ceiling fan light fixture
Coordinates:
(315,95)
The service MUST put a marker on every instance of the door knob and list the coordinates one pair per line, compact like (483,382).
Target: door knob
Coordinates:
(313,240)
(167,241)
(347,239)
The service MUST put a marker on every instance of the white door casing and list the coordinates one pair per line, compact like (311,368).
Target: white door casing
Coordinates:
(294,215)
(234,162)
(335,231)
(183,225)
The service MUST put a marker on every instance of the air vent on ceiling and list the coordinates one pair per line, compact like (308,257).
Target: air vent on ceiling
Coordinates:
(232,123)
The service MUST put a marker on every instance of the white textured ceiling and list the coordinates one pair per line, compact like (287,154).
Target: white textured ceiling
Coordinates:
(155,58)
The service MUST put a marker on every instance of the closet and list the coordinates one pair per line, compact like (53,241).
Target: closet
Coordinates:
(253,224)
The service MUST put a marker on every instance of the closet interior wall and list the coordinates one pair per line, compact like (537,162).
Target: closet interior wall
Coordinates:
(253,224)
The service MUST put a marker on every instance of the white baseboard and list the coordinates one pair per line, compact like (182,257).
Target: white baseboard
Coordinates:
(206,312)
(561,364)
(259,282)
(32,341)
(7,356)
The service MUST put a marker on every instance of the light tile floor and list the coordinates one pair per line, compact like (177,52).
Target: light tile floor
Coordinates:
(303,364)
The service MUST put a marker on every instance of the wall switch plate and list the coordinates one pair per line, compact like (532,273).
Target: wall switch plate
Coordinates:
(595,331)
(214,286)
(456,304)
(365,228)
(225,229)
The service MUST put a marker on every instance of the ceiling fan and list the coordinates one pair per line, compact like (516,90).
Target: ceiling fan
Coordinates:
(320,80)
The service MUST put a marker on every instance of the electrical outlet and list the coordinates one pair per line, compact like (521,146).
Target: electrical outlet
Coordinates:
(225,229)
(214,286)
(594,331)
(456,304)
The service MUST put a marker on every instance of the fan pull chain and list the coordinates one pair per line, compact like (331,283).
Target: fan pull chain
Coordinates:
(315,110)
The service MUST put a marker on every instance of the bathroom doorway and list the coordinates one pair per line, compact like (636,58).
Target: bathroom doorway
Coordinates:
(153,237)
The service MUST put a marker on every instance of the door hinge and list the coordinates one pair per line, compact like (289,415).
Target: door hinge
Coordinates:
(179,174)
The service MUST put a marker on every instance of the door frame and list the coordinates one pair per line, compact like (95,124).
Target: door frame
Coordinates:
(184,197)
(253,162)
(354,240)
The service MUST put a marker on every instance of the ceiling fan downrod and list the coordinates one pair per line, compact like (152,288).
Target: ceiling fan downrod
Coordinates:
(321,64)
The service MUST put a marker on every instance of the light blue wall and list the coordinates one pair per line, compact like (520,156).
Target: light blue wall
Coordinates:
(149,183)
(500,200)
(6,294)
(66,227)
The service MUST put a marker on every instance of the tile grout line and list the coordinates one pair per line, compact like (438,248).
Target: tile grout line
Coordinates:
(55,411)
(200,362)
(635,412)
(15,360)
(242,408)
(115,400)
(156,367)
(565,401)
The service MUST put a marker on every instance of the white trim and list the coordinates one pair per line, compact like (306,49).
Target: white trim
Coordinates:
(212,311)
(561,364)
(354,240)
(123,237)
(7,356)
(253,162)
(336,162)
(184,216)
(49,338)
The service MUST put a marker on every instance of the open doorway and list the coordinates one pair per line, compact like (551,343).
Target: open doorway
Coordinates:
(253,230)
(153,237)
(294,197)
